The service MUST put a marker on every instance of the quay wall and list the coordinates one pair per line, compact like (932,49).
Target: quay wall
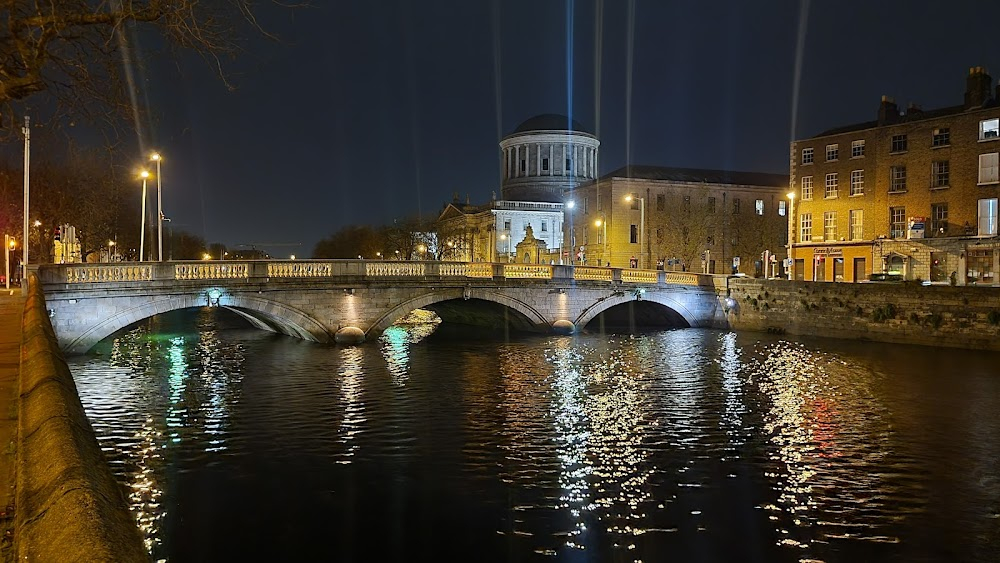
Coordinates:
(68,505)
(907,313)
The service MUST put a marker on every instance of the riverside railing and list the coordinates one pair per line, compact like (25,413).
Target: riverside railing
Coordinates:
(129,273)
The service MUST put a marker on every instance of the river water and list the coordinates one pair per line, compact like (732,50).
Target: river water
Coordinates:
(678,445)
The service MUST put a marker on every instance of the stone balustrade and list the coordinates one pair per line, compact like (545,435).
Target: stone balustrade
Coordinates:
(211,271)
(299,269)
(590,273)
(527,271)
(108,273)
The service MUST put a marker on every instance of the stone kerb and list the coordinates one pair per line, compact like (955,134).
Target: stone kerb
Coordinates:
(69,506)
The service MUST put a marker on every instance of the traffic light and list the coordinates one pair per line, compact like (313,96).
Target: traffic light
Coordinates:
(56,233)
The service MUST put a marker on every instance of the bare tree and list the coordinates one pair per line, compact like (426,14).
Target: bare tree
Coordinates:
(76,51)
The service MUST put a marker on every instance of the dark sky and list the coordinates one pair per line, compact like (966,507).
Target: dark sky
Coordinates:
(372,110)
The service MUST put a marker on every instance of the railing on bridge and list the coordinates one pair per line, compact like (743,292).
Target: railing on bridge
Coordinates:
(364,269)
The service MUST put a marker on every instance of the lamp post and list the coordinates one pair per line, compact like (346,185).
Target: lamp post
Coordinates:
(8,247)
(38,233)
(568,227)
(27,160)
(142,233)
(155,157)
(791,236)
(111,251)
(602,223)
(642,224)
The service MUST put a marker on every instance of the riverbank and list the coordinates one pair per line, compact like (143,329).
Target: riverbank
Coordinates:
(904,313)
(69,507)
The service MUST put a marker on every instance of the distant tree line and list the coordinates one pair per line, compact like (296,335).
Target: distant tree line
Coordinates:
(403,239)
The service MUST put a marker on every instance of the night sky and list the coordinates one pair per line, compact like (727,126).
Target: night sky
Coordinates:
(372,110)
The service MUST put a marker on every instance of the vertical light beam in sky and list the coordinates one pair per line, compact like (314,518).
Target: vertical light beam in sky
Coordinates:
(630,38)
(598,50)
(799,54)
(497,76)
(569,62)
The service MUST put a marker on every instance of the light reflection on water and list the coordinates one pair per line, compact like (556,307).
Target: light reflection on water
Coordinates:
(687,444)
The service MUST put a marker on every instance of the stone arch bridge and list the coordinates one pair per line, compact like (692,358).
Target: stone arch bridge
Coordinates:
(346,300)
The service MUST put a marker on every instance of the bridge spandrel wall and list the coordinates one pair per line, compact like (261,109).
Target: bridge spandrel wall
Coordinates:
(315,299)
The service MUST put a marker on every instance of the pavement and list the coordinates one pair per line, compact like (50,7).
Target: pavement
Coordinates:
(11,311)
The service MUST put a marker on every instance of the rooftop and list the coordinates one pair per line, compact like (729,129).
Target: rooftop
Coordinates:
(699,175)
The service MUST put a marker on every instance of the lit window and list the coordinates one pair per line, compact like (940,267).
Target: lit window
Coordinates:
(807,156)
(857,182)
(989,129)
(711,205)
(759,207)
(807,188)
(988,217)
(830,225)
(858,148)
(805,227)
(633,236)
(988,164)
(939,219)
(781,208)
(545,226)
(832,152)
(857,224)
(830,190)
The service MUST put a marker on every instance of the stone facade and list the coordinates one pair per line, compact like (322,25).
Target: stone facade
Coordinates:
(907,313)
(680,219)
(859,190)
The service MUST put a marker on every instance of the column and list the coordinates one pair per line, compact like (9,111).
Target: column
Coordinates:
(552,160)
(517,161)
(538,160)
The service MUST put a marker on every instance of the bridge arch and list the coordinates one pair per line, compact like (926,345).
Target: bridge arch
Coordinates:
(673,301)
(262,313)
(531,317)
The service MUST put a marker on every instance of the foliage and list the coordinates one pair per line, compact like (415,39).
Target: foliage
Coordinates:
(993,317)
(884,313)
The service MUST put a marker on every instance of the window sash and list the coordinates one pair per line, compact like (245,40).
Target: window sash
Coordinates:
(988,168)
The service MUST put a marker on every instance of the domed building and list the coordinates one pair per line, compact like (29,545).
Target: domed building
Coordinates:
(541,160)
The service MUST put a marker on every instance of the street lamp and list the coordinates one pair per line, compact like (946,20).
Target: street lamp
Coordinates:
(791,235)
(602,223)
(111,251)
(642,223)
(506,246)
(8,247)
(38,233)
(155,157)
(142,234)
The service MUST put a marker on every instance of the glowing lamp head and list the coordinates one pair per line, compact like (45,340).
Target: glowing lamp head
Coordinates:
(144,174)
(628,197)
(206,256)
(11,243)
(570,204)
(155,157)
(598,223)
(791,195)
(38,223)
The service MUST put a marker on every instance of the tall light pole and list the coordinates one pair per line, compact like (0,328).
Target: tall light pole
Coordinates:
(155,157)
(27,160)
(142,232)
(791,236)
(8,248)
(642,223)
(602,223)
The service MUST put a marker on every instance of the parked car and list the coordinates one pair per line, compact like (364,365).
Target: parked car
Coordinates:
(884,277)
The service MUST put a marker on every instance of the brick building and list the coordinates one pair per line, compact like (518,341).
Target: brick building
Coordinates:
(912,193)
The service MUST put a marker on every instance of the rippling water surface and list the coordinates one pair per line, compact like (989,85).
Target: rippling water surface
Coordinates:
(684,445)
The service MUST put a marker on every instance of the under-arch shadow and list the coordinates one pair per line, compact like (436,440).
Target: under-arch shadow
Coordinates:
(656,310)
(516,314)
(262,313)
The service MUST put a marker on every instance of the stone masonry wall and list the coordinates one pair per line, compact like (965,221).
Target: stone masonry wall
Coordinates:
(956,317)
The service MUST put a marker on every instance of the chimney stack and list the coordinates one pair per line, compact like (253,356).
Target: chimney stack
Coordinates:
(977,87)
(887,111)
(913,108)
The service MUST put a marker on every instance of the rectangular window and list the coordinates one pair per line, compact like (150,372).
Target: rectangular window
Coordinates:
(941,137)
(506,225)
(830,225)
(807,156)
(988,164)
(858,148)
(897,179)
(989,129)
(857,182)
(857,219)
(634,199)
(979,266)
(898,143)
(736,206)
(939,219)
(633,234)
(569,165)
(832,182)
(805,227)
(807,188)
(897,222)
(988,217)
(711,205)
(524,165)
(758,207)
(781,208)
(545,164)
(661,202)
(940,174)
(545,226)
(832,152)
